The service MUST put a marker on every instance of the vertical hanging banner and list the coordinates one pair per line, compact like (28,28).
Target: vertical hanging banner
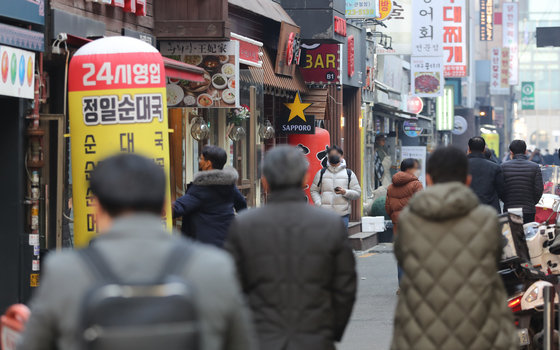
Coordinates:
(117,104)
(427,28)
(397,16)
(486,20)
(499,71)
(455,38)
(510,27)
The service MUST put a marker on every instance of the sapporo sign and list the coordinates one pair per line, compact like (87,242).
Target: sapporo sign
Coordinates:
(117,104)
(528,95)
(296,122)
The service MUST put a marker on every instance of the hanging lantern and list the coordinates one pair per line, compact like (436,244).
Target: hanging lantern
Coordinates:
(236,132)
(266,130)
(199,129)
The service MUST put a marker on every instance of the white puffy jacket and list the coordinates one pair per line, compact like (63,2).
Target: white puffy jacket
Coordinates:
(334,177)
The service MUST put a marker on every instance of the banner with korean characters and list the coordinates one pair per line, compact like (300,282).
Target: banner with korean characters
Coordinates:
(117,104)
(362,9)
(17,72)
(427,28)
(499,67)
(455,38)
(397,16)
(220,60)
(510,25)
(427,76)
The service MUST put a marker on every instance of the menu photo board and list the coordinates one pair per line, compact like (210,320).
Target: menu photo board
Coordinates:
(219,59)
(427,76)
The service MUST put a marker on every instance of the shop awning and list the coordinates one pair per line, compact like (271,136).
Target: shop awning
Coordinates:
(179,70)
(318,98)
(265,8)
(273,81)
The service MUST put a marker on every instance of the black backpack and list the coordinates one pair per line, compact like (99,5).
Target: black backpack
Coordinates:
(148,315)
(348,171)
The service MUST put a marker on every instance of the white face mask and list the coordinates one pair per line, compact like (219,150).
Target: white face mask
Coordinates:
(417,173)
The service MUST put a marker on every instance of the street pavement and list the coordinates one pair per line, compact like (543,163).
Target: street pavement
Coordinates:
(371,325)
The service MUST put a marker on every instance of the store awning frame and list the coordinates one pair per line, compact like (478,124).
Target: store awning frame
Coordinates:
(179,70)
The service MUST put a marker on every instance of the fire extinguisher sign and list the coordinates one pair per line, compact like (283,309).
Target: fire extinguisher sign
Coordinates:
(117,104)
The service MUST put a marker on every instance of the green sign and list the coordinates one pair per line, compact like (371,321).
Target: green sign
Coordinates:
(528,95)
(445,109)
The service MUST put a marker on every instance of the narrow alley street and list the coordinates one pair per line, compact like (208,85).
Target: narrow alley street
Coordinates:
(371,325)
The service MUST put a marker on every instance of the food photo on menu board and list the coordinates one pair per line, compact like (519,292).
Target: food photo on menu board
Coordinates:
(220,61)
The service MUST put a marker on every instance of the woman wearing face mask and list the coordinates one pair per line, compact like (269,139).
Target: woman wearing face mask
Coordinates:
(335,186)
(405,185)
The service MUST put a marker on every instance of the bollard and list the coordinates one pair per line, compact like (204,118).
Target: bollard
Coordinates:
(548,316)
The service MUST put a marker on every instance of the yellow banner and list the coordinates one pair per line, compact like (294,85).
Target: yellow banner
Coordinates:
(107,122)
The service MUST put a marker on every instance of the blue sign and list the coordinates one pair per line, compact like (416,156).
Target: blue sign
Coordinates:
(411,129)
(31,11)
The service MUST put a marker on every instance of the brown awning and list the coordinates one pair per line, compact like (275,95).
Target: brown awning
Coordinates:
(265,8)
(318,98)
(271,79)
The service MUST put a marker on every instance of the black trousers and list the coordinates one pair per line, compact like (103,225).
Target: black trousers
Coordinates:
(527,218)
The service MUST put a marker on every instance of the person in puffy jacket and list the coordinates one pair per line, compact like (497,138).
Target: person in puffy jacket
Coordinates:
(405,185)
(452,297)
(523,182)
(208,206)
(294,261)
(335,186)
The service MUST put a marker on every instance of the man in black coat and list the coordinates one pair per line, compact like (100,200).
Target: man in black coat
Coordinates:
(294,261)
(487,177)
(524,182)
(208,206)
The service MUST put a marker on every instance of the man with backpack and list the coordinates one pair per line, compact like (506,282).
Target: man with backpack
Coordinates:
(137,286)
(335,185)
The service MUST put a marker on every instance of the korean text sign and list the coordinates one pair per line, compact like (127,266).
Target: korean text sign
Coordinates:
(510,39)
(220,60)
(499,71)
(117,105)
(361,9)
(427,76)
(455,38)
(427,28)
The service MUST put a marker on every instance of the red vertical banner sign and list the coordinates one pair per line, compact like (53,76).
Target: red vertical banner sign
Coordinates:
(351,56)
(455,38)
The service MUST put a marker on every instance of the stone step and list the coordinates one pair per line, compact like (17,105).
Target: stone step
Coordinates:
(363,241)
(354,227)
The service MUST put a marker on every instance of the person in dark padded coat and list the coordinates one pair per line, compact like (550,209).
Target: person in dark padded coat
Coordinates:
(487,176)
(294,261)
(208,206)
(523,182)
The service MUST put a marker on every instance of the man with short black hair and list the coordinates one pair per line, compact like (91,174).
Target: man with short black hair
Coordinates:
(335,186)
(523,182)
(447,244)
(487,177)
(207,208)
(129,195)
(294,261)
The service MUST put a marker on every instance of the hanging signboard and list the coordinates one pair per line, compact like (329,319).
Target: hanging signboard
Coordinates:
(411,129)
(289,49)
(294,121)
(418,153)
(510,25)
(17,72)
(32,11)
(399,26)
(455,38)
(427,76)
(220,60)
(528,95)
(427,29)
(499,65)
(321,63)
(361,9)
(117,104)
(445,111)
(486,20)
(249,50)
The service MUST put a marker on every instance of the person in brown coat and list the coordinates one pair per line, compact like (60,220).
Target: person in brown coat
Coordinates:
(405,185)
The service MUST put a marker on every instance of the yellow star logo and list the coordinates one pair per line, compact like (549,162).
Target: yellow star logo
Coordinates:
(297,108)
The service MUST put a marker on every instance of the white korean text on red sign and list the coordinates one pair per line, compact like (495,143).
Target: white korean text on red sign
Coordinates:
(455,38)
